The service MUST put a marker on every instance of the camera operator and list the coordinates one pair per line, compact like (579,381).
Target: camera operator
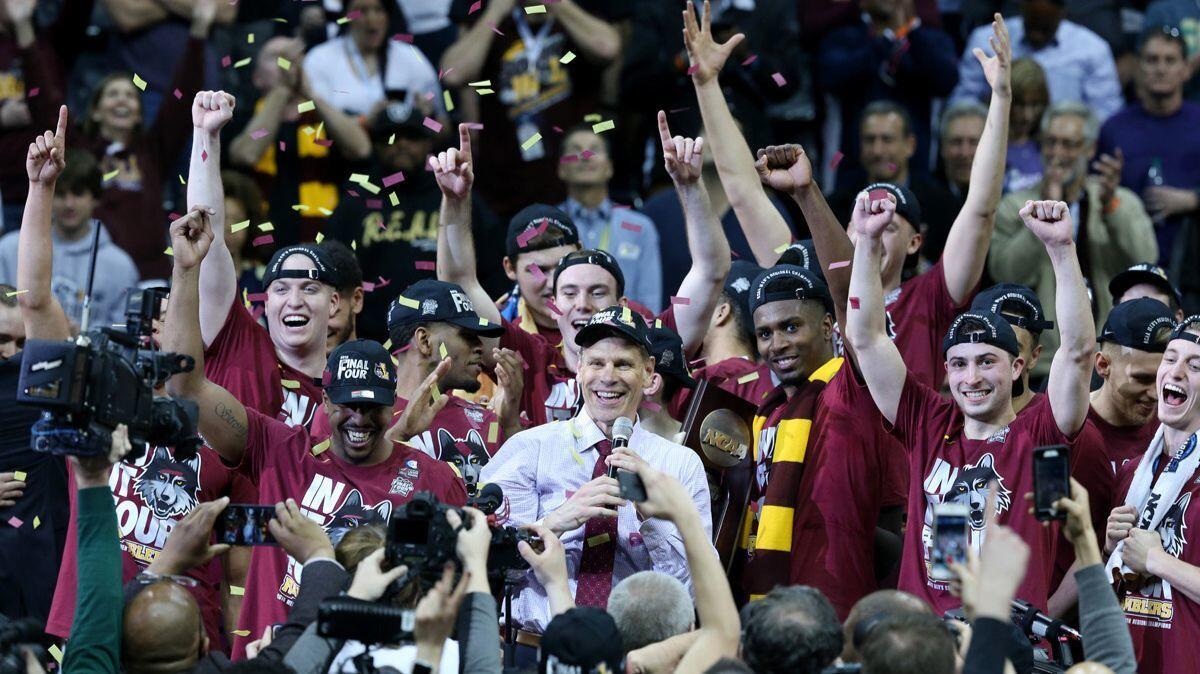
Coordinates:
(363,477)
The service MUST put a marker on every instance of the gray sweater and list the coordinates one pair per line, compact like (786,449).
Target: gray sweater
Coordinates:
(1106,637)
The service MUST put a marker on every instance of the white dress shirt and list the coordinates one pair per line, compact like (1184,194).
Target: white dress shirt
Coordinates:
(540,468)
(336,70)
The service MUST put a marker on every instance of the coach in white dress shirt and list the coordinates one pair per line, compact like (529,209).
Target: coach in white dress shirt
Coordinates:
(547,472)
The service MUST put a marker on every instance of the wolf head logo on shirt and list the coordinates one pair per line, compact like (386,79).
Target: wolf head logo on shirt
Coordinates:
(352,514)
(469,465)
(971,490)
(168,487)
(1172,528)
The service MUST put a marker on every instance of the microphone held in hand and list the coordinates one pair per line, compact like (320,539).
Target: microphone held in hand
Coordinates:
(621,430)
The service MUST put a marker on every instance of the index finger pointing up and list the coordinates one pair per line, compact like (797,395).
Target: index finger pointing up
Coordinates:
(664,131)
(61,131)
(464,142)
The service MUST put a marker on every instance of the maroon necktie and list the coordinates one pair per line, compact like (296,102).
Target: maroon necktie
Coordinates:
(594,580)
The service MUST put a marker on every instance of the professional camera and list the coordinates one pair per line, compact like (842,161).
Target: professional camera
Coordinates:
(104,378)
(419,537)
(16,638)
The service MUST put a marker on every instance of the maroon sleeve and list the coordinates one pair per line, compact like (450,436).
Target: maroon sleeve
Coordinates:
(932,287)
(267,442)
(919,406)
(529,346)
(171,131)
(891,459)
(319,428)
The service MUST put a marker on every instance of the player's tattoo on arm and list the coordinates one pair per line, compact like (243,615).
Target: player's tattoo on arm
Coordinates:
(225,413)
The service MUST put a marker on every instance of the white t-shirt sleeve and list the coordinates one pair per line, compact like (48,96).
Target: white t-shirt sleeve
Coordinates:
(409,70)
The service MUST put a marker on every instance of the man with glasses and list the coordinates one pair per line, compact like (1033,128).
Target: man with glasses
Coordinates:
(1112,229)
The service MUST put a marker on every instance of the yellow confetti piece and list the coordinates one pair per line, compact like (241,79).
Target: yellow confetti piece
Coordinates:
(300,207)
(391,139)
(483,321)
(448,100)
(746,379)
(606,125)
(326,212)
(480,83)
(139,82)
(393,199)
(169,251)
(626,315)
(308,130)
(239,226)
(37,521)
(111,174)
(320,447)
(779,250)
(235,591)
(250,38)
(290,383)
(658,323)
(575,455)
(56,653)
(181,180)
(484,92)
(407,302)
(242,63)
(388,344)
(437,393)
(353,245)
(567,58)
(19,475)
(535,9)
(442,349)
(14,293)
(493,432)
(592,118)
(266,227)
(306,106)
(240,633)
(574,429)
(370,187)
(344,20)
(320,237)
(283,63)
(532,140)
(600,539)
(359,178)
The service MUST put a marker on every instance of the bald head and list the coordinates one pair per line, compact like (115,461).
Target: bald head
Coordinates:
(162,631)
(873,607)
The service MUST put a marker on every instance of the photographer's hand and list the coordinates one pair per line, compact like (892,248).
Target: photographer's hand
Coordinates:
(472,547)
(1078,529)
(666,498)
(550,567)
(436,615)
(94,471)
(370,580)
(299,536)
(187,547)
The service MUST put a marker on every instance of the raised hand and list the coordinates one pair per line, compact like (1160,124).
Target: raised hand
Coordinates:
(706,55)
(191,235)
(998,68)
(1050,222)
(20,10)
(453,169)
(211,110)
(1109,166)
(510,383)
(784,167)
(11,489)
(872,216)
(683,157)
(188,545)
(298,535)
(48,153)
(370,580)
(422,408)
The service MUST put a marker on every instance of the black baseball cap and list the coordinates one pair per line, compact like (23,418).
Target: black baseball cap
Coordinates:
(431,301)
(1145,272)
(1015,303)
(323,267)
(1139,324)
(802,253)
(907,203)
(981,327)
(360,372)
(737,283)
(399,115)
(601,258)
(615,321)
(531,221)
(669,360)
(788,282)
(583,640)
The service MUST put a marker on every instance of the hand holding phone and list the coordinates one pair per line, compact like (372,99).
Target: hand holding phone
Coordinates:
(1051,481)
(245,524)
(951,538)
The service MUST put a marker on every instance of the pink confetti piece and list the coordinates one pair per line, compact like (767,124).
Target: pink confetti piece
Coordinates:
(352,193)
(557,129)
(397,177)
(259,133)
(282,146)
(636,229)
(553,307)
(674,111)
(226,61)
(525,237)
(433,125)
(368,286)
(178,94)
(15,522)
(853,302)
(383,282)
(374,203)
(402,349)
(172,215)
(780,80)
(34,92)
(495,29)
(256,297)
(403,37)
(680,300)
(651,405)
(324,142)
(475,7)
(443,73)
(837,159)
(429,95)
(353,15)
(586,154)
(568,158)
(425,265)
(750,59)
(263,240)
(474,126)
(536,272)
(204,155)
(692,69)
(839,265)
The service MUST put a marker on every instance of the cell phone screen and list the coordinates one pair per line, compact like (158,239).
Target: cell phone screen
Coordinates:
(1051,481)
(242,524)
(949,544)
(632,487)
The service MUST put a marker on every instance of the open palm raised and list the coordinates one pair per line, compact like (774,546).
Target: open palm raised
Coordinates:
(997,68)
(706,55)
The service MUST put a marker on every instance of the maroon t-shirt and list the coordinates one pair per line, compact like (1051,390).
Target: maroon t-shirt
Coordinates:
(1163,622)
(336,494)
(918,315)
(551,392)
(944,465)
(459,421)
(152,495)
(242,360)
(1124,443)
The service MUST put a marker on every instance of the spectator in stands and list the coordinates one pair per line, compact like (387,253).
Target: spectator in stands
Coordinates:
(298,168)
(1078,63)
(429,23)
(1146,279)
(357,70)
(961,128)
(649,607)
(244,210)
(75,199)
(1031,96)
(585,168)
(135,159)
(522,55)
(888,143)
(1184,16)
(1157,138)
(1114,231)
(792,630)
(890,54)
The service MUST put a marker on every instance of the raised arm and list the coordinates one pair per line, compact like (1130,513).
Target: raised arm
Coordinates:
(596,38)
(966,248)
(705,238)
(765,228)
(879,360)
(1071,369)
(218,278)
(222,419)
(40,311)
(463,60)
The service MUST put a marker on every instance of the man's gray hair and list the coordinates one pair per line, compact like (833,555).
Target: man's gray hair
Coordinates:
(1091,125)
(961,108)
(650,606)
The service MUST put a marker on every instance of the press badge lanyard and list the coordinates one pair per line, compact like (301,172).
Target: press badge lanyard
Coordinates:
(533,44)
(360,67)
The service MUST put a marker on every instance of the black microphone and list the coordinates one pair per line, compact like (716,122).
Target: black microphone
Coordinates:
(488,500)
(621,430)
